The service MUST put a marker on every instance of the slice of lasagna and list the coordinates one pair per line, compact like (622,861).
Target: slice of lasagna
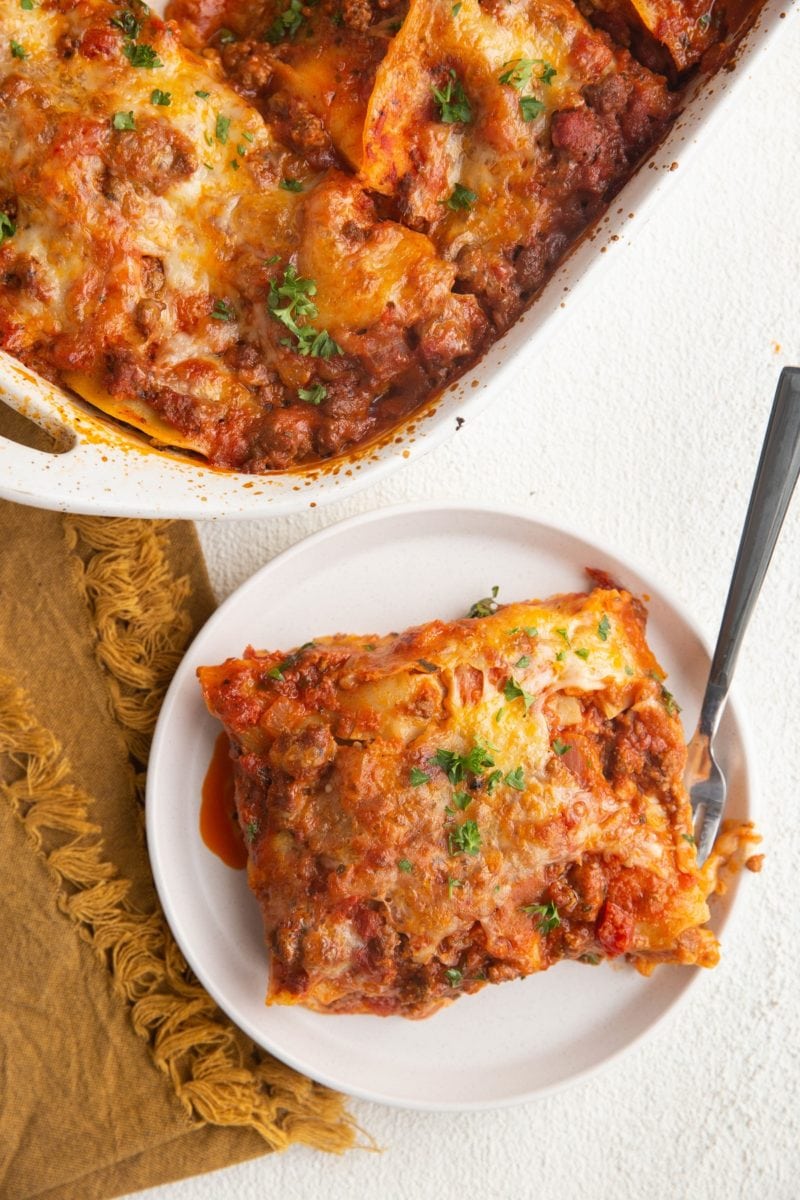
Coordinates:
(463,803)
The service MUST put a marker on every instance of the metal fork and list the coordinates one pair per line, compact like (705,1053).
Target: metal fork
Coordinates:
(778,469)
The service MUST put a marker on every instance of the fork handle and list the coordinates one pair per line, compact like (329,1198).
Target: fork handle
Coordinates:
(778,469)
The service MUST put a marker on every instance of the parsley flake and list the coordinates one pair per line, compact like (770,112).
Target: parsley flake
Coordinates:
(203,95)
(123,120)
(517,72)
(221,128)
(529,630)
(516,779)
(486,606)
(7,227)
(223,311)
(456,9)
(465,839)
(251,829)
(522,662)
(225,37)
(669,702)
(562,654)
(405,866)
(428,667)
(452,884)
(454,106)
(547,914)
(140,55)
(454,977)
(28,5)
(418,777)
(604,628)
(530,107)
(461,199)
(291,185)
(286,24)
(126,21)
(493,780)
(560,747)
(296,292)
(313,395)
(461,800)
(562,633)
(456,766)
(582,653)
(18,51)
(512,691)
(162,98)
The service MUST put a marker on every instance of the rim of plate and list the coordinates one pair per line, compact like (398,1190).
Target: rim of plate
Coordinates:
(692,975)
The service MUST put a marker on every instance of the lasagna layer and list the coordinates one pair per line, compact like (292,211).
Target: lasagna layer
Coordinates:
(463,803)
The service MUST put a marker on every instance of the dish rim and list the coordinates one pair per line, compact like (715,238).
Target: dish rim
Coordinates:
(419,509)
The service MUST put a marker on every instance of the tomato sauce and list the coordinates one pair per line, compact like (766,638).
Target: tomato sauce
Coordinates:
(219,827)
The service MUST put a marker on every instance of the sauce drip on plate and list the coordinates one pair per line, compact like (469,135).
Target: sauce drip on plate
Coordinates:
(219,827)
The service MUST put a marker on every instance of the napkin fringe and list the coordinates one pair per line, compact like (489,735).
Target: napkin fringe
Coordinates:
(216,1073)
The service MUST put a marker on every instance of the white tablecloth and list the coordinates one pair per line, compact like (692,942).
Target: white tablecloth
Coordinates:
(638,422)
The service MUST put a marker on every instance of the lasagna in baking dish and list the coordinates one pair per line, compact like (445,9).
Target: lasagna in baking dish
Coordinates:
(464,803)
(265,232)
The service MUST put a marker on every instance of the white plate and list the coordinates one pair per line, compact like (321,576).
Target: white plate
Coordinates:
(378,572)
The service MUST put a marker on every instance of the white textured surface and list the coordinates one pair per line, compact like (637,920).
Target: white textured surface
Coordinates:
(640,423)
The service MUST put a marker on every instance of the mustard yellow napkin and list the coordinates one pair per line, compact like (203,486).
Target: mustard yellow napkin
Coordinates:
(117,1071)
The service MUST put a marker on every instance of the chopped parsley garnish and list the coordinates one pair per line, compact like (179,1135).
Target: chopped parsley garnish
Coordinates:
(604,628)
(203,95)
(248,137)
(418,777)
(159,97)
(429,667)
(452,100)
(296,292)
(493,780)
(290,661)
(17,51)
(582,653)
(629,670)
(241,149)
(454,977)
(140,55)
(405,865)
(452,884)
(562,633)
(28,5)
(7,227)
(465,839)
(560,747)
(221,128)
(225,37)
(251,829)
(517,72)
(234,164)
(703,21)
(456,9)
(223,311)
(547,914)
(523,662)
(530,107)
(516,779)
(313,395)
(286,24)
(275,673)
(123,120)
(456,766)
(591,959)
(687,837)
(562,654)
(126,21)
(461,800)
(461,199)
(512,691)
(530,630)
(369,646)
(669,701)
(486,606)
(291,185)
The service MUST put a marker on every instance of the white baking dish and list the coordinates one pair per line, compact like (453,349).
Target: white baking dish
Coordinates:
(107,469)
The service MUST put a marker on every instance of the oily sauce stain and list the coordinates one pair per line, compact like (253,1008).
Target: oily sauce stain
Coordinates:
(219,827)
